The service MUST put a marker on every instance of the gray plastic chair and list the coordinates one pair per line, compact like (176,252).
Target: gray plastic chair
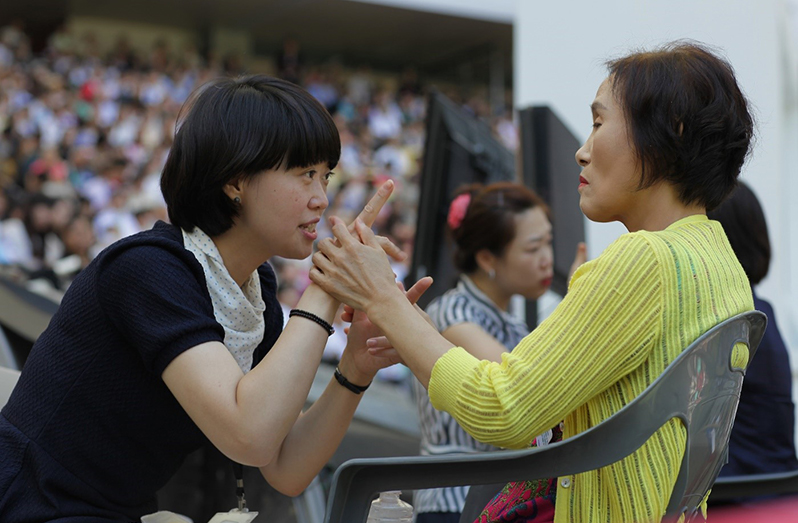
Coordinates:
(700,387)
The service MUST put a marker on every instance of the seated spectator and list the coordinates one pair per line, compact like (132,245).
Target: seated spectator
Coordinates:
(79,243)
(115,221)
(289,60)
(43,246)
(385,117)
(502,238)
(14,241)
(763,436)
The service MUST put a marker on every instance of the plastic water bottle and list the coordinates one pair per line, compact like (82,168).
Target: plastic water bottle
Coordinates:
(388,508)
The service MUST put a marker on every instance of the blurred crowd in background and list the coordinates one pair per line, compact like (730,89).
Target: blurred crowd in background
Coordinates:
(84,136)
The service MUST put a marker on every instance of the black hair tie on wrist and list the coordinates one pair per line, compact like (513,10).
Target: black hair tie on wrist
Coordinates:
(312,317)
(357,389)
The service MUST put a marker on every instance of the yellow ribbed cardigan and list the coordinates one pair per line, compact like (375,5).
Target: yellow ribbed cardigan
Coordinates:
(626,316)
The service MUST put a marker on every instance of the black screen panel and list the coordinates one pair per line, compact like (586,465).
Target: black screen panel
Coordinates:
(460,149)
(549,168)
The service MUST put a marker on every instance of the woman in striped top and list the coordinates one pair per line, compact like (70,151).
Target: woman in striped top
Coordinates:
(502,239)
(671,131)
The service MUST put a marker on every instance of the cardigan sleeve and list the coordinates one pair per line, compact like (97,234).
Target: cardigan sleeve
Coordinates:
(604,328)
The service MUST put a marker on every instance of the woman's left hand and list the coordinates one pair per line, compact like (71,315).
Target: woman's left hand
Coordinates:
(367,350)
(357,364)
(354,273)
(579,258)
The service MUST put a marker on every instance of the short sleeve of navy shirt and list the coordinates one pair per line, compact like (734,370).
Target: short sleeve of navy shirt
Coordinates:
(91,432)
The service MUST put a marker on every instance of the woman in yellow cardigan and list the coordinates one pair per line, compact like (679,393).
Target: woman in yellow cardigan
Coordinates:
(671,130)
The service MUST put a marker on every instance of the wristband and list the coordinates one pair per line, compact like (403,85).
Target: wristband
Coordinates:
(312,317)
(357,389)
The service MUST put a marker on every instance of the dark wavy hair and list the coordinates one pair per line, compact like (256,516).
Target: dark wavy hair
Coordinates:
(689,121)
(489,221)
(744,222)
(233,129)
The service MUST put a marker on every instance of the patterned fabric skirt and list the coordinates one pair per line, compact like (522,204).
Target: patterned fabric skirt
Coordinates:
(524,501)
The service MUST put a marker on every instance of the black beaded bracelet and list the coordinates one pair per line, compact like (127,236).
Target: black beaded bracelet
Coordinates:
(357,389)
(312,317)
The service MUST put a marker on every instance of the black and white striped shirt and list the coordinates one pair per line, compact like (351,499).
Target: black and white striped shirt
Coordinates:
(440,433)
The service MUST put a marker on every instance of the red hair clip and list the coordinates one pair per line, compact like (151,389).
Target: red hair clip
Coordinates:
(457,210)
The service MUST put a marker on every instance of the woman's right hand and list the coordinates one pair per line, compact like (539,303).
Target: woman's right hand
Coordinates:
(355,273)
(378,345)
(368,215)
(359,274)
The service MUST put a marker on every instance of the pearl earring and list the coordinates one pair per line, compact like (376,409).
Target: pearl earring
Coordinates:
(491,273)
(237,199)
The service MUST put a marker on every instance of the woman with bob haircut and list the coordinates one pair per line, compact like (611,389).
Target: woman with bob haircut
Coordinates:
(172,337)
(671,131)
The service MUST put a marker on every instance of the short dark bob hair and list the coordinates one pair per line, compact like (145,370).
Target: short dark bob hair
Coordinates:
(688,120)
(489,221)
(233,129)
(744,222)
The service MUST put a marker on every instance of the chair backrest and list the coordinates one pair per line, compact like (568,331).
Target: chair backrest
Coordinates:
(8,380)
(708,386)
(700,387)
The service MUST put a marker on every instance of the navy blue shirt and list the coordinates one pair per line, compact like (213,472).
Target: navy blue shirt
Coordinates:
(763,437)
(91,431)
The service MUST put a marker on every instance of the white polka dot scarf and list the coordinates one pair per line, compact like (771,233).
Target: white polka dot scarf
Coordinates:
(238,309)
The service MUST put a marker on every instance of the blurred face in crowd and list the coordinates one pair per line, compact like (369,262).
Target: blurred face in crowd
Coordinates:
(62,212)
(78,236)
(526,266)
(610,171)
(41,217)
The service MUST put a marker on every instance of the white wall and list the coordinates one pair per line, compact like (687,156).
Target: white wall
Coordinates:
(560,48)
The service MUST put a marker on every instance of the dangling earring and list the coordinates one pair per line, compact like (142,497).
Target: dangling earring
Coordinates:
(237,200)
(491,273)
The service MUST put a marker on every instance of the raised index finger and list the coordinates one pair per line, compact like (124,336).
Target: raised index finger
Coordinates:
(372,209)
